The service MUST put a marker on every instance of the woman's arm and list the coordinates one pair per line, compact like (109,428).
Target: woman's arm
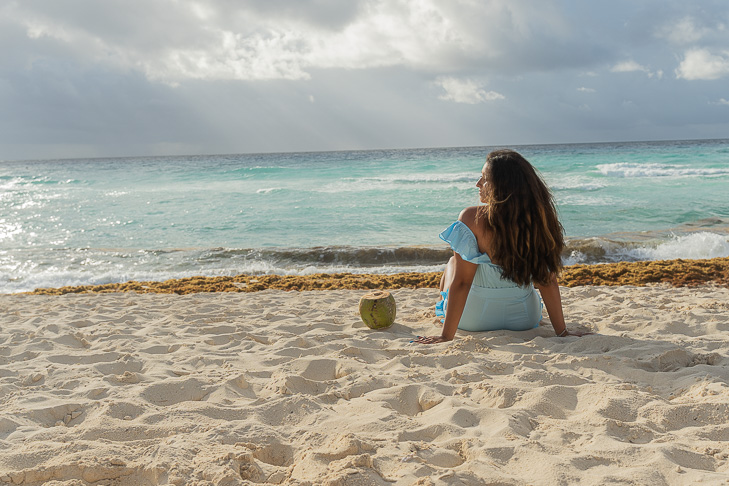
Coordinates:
(457,295)
(553,301)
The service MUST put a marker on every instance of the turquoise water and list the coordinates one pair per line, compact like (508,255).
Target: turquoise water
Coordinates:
(68,222)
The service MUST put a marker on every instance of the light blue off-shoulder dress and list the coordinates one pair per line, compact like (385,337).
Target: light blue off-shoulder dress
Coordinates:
(493,302)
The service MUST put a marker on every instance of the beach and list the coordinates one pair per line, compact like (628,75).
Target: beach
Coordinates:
(193,320)
(196,198)
(290,387)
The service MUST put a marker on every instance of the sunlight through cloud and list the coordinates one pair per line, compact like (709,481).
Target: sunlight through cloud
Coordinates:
(465,91)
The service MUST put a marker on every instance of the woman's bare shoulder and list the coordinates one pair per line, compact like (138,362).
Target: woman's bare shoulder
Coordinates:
(471,218)
(476,222)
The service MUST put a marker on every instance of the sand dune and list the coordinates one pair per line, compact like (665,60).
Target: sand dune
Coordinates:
(290,388)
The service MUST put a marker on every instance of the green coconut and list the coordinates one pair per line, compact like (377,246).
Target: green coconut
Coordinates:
(377,309)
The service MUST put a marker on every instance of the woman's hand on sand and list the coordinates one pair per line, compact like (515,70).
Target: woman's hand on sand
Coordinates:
(429,339)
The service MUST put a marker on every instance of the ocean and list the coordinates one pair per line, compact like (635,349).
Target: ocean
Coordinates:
(95,221)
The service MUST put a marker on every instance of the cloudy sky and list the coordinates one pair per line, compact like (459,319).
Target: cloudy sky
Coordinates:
(84,78)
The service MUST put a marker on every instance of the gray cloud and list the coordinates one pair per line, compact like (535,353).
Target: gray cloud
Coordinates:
(159,76)
(173,41)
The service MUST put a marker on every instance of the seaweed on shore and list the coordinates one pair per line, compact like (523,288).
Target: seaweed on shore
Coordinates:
(677,273)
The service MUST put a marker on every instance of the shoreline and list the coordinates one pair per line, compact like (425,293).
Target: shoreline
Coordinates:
(675,273)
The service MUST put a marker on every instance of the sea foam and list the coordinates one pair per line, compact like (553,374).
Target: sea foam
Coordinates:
(698,245)
(692,246)
(629,170)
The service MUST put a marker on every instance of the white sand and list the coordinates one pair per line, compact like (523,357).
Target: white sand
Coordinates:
(291,388)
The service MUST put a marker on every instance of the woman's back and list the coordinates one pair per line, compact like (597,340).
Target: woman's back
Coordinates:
(493,302)
(464,239)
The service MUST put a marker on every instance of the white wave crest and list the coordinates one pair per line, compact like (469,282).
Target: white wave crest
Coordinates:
(423,178)
(24,281)
(578,183)
(267,190)
(586,187)
(692,246)
(396,181)
(630,170)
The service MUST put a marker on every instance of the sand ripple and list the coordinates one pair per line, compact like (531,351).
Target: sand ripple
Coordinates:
(290,388)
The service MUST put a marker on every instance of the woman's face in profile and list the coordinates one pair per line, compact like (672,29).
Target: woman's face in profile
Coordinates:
(482,184)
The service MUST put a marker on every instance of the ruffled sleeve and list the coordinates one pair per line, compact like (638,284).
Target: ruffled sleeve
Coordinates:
(463,242)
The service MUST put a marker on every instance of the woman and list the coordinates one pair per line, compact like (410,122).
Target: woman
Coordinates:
(501,252)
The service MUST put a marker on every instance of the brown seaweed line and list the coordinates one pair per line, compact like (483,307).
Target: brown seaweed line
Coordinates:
(676,273)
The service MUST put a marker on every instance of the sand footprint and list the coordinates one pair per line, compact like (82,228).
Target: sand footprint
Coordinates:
(431,433)
(408,400)
(237,386)
(173,391)
(496,396)
(675,359)
(671,417)
(272,453)
(88,358)
(309,376)
(285,384)
(58,415)
(439,457)
(7,427)
(343,454)
(160,349)
(122,410)
(75,340)
(126,363)
(629,432)
(286,411)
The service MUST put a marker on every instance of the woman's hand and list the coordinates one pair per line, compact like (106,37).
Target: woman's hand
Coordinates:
(429,339)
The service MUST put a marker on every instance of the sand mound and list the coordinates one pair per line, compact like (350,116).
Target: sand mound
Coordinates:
(291,388)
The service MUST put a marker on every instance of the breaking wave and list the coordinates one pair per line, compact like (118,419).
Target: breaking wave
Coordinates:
(93,267)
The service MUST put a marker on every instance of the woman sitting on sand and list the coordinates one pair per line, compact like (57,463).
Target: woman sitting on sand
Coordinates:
(501,251)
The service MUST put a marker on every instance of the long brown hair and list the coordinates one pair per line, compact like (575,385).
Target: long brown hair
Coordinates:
(527,237)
